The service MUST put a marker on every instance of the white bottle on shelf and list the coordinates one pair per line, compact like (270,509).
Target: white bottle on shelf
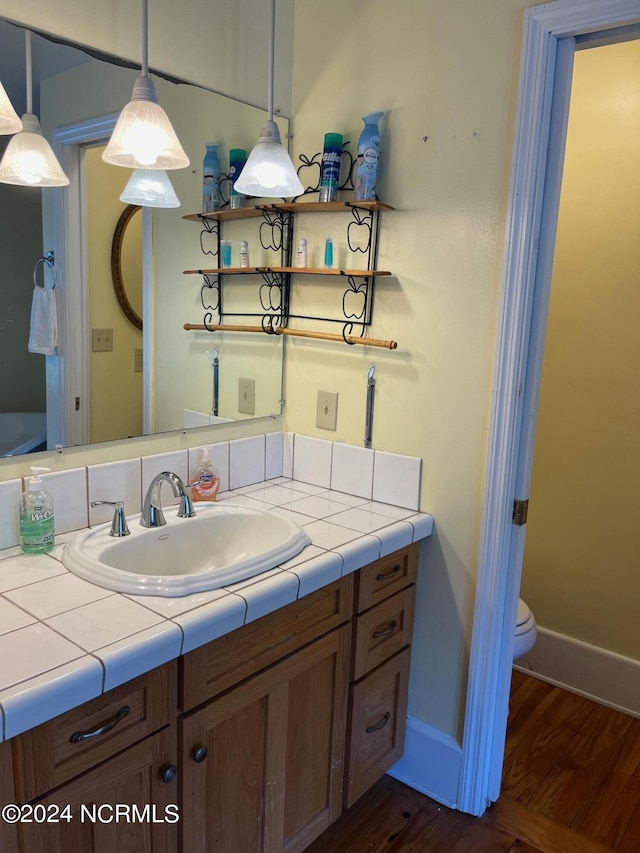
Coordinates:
(302,254)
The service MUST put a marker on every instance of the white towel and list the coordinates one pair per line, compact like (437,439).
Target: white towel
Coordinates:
(43,337)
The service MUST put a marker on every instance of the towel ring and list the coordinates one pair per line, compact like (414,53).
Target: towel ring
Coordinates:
(49,260)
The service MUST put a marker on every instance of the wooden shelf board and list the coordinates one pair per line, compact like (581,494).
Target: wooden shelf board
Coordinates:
(291,207)
(224,215)
(331,206)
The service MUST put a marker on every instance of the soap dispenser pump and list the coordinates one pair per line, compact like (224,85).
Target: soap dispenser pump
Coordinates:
(36,516)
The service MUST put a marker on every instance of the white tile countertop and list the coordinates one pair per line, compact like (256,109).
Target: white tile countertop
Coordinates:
(63,641)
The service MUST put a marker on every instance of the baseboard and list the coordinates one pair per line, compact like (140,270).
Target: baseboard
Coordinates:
(430,764)
(596,673)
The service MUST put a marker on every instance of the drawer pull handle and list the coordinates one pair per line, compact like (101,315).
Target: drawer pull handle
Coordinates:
(78,737)
(199,754)
(394,571)
(383,632)
(379,725)
(168,772)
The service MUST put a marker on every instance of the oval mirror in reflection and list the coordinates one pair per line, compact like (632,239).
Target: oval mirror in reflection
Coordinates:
(126,264)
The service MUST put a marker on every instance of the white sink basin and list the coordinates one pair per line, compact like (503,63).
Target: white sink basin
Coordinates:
(224,543)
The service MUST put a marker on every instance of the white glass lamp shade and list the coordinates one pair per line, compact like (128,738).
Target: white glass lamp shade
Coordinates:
(150,188)
(9,120)
(29,160)
(269,172)
(143,137)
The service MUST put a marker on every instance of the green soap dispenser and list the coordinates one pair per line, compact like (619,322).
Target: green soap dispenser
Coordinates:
(36,516)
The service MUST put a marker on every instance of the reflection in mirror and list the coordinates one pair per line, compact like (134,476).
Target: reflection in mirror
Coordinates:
(83,391)
(126,264)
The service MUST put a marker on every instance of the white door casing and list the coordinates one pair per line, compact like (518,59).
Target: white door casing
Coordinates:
(545,79)
(65,231)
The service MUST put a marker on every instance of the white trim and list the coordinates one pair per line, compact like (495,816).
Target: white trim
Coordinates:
(514,399)
(148,323)
(68,375)
(430,764)
(598,674)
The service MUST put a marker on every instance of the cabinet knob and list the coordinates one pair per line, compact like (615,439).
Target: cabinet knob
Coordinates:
(199,753)
(168,772)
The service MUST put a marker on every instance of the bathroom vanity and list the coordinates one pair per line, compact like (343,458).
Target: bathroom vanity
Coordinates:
(254,741)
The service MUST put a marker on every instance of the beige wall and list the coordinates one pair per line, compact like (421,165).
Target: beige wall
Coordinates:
(448,72)
(580,571)
(115,387)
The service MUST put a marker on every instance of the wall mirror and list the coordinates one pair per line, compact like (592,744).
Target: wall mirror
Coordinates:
(149,380)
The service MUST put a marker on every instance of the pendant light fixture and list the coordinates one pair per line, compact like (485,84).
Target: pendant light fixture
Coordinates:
(143,137)
(269,172)
(150,188)
(29,160)
(9,120)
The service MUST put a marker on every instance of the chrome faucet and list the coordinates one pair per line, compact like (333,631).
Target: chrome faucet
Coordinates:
(152,515)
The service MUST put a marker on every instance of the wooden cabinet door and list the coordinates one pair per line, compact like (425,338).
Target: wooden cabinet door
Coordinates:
(92,824)
(262,765)
(8,831)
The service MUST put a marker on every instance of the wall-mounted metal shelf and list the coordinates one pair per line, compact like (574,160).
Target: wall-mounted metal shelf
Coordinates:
(276,234)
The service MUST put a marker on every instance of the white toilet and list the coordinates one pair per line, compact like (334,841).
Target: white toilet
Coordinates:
(526,631)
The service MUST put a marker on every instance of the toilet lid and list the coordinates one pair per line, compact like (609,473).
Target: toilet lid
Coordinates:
(523,613)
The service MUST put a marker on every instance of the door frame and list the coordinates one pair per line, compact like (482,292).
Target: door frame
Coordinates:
(543,99)
(64,226)
(65,231)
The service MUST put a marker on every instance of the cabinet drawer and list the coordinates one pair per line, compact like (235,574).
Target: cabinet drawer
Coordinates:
(381,579)
(215,667)
(377,721)
(383,630)
(133,779)
(56,751)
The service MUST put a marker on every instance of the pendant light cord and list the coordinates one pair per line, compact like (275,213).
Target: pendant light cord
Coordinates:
(145,38)
(27,45)
(272,43)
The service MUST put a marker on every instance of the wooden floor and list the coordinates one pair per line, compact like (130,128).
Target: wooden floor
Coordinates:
(571,784)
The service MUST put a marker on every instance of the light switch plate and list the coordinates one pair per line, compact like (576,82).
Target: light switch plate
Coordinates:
(101,340)
(327,410)
(247,396)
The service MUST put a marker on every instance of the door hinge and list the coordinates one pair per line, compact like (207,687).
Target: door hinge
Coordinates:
(520,510)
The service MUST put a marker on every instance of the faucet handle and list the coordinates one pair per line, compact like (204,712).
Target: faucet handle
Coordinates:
(186,509)
(119,526)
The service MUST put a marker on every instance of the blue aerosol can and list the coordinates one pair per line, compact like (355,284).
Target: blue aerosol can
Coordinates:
(211,197)
(368,159)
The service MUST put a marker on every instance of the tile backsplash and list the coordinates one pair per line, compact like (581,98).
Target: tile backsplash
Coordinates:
(388,478)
